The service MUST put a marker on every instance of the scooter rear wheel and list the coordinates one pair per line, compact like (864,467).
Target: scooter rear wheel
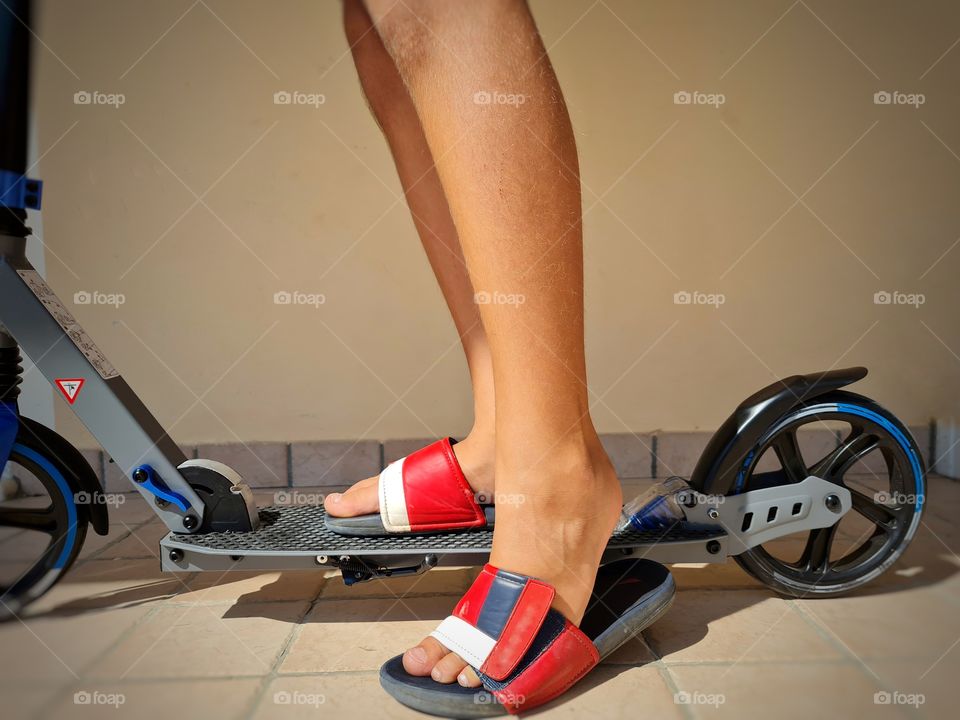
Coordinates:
(889,495)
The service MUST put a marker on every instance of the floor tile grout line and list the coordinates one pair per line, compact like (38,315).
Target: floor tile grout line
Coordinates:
(654,451)
(812,662)
(857,662)
(834,640)
(131,529)
(292,637)
(648,644)
(670,681)
(295,633)
(665,668)
(320,601)
(289,455)
(43,711)
(656,436)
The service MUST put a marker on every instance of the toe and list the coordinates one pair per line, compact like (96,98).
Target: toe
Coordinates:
(361,499)
(468,677)
(420,660)
(448,668)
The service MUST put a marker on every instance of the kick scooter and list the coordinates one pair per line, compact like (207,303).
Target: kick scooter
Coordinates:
(734,510)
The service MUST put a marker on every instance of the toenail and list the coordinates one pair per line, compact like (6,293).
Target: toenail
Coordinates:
(435,674)
(334,497)
(462,679)
(417,654)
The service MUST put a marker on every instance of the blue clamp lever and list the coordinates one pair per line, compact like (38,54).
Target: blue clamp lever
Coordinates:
(146,477)
(19,191)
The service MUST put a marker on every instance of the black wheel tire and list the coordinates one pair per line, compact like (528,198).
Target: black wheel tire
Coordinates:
(65,523)
(814,574)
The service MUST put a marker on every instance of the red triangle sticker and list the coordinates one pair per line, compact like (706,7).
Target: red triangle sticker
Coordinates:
(70,387)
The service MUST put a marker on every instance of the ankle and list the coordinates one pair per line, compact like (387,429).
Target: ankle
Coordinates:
(482,437)
(562,517)
(475,453)
(571,479)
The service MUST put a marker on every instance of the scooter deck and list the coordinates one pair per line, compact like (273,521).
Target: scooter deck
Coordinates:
(296,537)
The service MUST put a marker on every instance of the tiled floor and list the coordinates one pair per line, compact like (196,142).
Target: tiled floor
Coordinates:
(138,643)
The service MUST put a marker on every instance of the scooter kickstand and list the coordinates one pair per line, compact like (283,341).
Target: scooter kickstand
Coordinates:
(354,570)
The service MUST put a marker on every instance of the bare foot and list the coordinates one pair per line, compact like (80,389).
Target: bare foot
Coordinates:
(557,533)
(474,453)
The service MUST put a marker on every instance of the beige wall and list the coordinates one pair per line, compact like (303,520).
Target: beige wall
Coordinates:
(296,198)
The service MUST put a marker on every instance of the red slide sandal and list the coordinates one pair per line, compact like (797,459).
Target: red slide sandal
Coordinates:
(424,492)
(525,652)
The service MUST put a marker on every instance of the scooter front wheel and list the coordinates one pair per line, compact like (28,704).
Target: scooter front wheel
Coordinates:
(41,529)
(876,459)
